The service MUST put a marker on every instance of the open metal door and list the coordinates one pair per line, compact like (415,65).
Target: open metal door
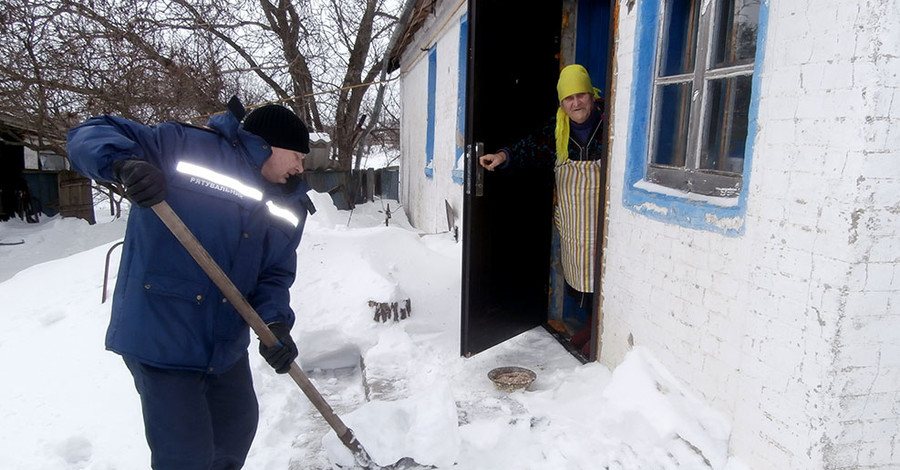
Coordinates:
(512,68)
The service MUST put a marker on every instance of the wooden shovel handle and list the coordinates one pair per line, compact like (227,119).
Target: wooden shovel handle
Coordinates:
(231,292)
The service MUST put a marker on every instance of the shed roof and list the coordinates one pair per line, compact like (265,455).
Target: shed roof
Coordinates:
(11,129)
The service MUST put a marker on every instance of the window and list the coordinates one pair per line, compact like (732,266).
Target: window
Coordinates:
(52,162)
(706,52)
(694,101)
(462,61)
(429,132)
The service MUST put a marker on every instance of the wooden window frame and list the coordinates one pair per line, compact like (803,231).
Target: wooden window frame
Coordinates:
(691,178)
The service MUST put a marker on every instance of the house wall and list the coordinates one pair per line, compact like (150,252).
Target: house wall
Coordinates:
(782,315)
(423,197)
(789,324)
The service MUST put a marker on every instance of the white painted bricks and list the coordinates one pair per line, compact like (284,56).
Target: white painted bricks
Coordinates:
(791,329)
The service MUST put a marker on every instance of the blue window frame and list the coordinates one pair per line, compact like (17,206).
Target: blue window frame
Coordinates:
(458,167)
(695,99)
(432,89)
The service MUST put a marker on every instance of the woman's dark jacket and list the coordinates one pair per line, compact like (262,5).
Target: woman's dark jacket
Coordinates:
(538,149)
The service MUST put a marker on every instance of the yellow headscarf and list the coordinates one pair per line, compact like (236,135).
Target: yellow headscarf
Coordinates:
(572,79)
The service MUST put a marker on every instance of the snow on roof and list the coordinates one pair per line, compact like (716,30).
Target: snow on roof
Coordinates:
(319,137)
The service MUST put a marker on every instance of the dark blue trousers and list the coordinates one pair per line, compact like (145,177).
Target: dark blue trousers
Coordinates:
(197,421)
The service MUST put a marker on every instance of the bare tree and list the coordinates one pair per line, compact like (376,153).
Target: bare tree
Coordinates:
(151,61)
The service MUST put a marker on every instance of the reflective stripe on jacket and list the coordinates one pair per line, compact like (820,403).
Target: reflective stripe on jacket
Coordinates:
(166,312)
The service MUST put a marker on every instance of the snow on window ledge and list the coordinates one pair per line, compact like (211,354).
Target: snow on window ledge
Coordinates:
(666,191)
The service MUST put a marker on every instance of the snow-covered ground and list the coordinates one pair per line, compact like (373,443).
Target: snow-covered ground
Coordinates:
(66,403)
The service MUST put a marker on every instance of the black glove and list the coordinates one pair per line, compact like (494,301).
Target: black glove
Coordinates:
(280,357)
(145,184)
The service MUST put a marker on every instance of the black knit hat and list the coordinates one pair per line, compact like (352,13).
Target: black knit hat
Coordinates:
(278,126)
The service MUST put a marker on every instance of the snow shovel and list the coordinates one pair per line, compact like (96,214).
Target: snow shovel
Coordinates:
(231,292)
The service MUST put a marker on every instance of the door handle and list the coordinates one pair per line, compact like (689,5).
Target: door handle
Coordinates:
(479,170)
(475,181)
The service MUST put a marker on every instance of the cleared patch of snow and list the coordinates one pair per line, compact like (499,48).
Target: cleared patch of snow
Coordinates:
(66,403)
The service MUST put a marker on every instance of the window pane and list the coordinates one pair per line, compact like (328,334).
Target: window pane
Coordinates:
(734,41)
(672,118)
(679,43)
(726,126)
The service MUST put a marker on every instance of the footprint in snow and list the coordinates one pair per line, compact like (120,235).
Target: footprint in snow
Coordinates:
(74,450)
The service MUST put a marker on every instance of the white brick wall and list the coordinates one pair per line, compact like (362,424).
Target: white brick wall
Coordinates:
(792,328)
(423,198)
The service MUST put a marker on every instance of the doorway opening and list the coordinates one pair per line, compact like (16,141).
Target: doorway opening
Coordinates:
(586,39)
(510,282)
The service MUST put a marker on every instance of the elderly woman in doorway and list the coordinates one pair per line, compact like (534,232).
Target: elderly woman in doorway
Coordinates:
(571,145)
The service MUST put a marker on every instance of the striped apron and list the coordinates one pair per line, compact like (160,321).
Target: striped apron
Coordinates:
(577,205)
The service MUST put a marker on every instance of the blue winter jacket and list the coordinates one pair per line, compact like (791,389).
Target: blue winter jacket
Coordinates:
(166,311)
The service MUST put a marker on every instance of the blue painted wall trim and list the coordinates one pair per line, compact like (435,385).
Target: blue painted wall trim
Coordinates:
(432,90)
(667,208)
(459,165)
